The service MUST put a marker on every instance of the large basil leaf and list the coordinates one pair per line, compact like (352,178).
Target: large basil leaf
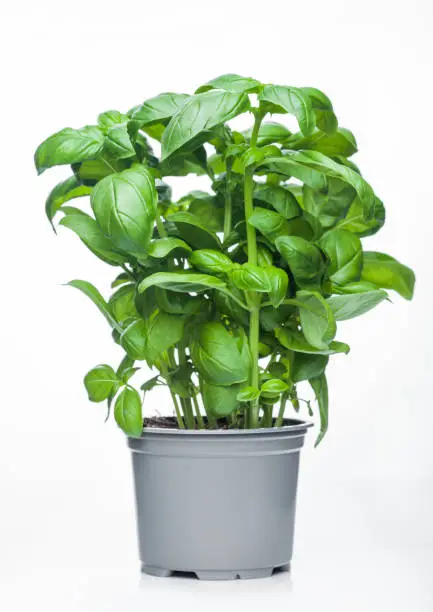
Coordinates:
(280,198)
(219,401)
(295,341)
(349,306)
(211,261)
(182,281)
(125,206)
(203,206)
(269,223)
(342,142)
(69,146)
(193,162)
(220,357)
(357,223)
(117,139)
(191,125)
(231,82)
(312,167)
(134,339)
(91,235)
(127,412)
(322,107)
(320,388)
(344,250)
(249,277)
(159,109)
(279,282)
(270,132)
(331,204)
(63,192)
(290,100)
(193,231)
(101,382)
(168,246)
(122,303)
(388,273)
(93,170)
(164,330)
(307,366)
(317,319)
(93,294)
(304,259)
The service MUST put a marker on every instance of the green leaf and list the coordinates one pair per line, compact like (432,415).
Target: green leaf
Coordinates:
(192,124)
(150,384)
(386,272)
(317,319)
(91,235)
(63,192)
(270,132)
(264,256)
(101,382)
(304,259)
(322,107)
(125,206)
(247,394)
(159,109)
(280,198)
(290,100)
(249,277)
(184,282)
(219,356)
(307,366)
(211,261)
(134,339)
(342,142)
(219,401)
(349,306)
(356,222)
(344,250)
(269,223)
(312,167)
(122,303)
(125,366)
(117,139)
(164,330)
(92,293)
(205,209)
(69,146)
(279,282)
(127,412)
(231,82)
(320,388)
(194,232)
(93,170)
(178,303)
(274,386)
(331,204)
(358,287)
(164,246)
(295,341)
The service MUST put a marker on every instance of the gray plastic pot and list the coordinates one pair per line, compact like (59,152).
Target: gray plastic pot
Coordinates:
(219,503)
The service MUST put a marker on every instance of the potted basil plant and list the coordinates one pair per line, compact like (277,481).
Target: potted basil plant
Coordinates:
(232,296)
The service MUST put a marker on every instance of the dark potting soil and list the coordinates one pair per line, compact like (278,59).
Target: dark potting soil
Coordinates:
(163,422)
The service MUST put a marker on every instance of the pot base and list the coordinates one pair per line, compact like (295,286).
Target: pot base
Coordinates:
(247,574)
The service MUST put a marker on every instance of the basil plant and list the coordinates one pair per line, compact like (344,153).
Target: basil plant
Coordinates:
(232,296)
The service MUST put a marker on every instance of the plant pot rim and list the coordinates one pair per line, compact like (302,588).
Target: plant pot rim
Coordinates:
(293,426)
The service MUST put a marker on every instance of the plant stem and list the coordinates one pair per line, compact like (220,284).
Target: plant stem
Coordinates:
(227,205)
(197,412)
(253,412)
(282,409)
(160,226)
(177,410)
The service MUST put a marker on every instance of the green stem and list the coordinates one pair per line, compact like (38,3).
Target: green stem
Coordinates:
(177,410)
(160,226)
(282,409)
(197,412)
(227,205)
(253,412)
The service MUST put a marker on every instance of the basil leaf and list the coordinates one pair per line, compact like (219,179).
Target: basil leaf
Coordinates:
(92,293)
(193,231)
(133,339)
(320,388)
(164,330)
(125,206)
(279,282)
(219,401)
(69,146)
(178,303)
(63,192)
(322,107)
(91,235)
(122,303)
(344,250)
(342,142)
(358,287)
(231,82)
(101,382)
(220,357)
(182,281)
(127,412)
(165,246)
(307,366)
(304,260)
(150,384)
(349,306)
(330,204)
(290,100)
(250,278)
(93,170)
(356,222)
(270,132)
(264,256)
(211,261)
(190,126)
(295,341)
(386,272)
(317,319)
(204,208)
(273,386)
(269,223)
(247,394)
(159,109)
(117,139)
(280,198)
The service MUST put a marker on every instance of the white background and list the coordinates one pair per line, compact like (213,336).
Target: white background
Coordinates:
(364,538)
